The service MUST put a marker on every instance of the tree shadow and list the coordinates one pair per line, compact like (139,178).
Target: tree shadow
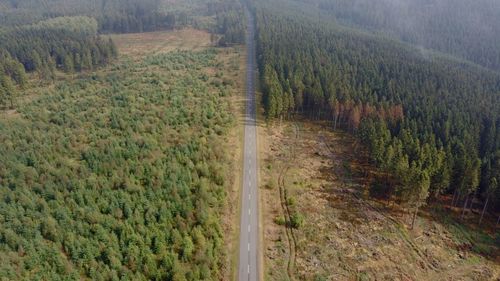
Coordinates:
(355,179)
(481,239)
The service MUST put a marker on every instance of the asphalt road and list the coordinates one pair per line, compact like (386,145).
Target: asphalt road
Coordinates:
(249,224)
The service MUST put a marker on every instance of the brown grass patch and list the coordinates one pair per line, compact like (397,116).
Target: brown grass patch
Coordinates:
(233,68)
(139,44)
(346,234)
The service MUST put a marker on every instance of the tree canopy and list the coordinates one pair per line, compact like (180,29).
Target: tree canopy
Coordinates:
(431,121)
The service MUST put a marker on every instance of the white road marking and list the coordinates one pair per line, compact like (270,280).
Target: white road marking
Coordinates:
(248,269)
(249,211)
(249,247)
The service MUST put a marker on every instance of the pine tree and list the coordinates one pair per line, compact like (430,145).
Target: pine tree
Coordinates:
(8,91)
(492,188)
(68,65)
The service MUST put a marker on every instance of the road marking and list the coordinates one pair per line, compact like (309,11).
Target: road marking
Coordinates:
(249,211)
(248,269)
(249,247)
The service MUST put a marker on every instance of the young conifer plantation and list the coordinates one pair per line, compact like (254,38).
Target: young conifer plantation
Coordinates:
(113,167)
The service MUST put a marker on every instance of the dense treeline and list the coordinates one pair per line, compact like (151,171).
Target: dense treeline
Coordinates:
(469,30)
(231,21)
(67,44)
(48,49)
(117,176)
(431,124)
(112,15)
(116,16)
(11,73)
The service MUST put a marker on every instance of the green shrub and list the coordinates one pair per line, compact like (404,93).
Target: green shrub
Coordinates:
(271,184)
(280,220)
(297,220)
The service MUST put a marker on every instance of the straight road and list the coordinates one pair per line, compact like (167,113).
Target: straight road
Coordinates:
(249,224)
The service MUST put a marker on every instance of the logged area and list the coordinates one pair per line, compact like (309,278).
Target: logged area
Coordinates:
(122,173)
(322,224)
(406,188)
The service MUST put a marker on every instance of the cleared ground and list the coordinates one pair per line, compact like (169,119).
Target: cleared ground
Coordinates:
(148,43)
(345,235)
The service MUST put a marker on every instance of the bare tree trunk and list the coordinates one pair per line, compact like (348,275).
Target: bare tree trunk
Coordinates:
(472,201)
(484,209)
(454,197)
(459,195)
(465,207)
(498,220)
(414,217)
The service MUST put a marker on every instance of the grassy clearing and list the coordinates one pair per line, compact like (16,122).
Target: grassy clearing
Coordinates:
(136,45)
(348,236)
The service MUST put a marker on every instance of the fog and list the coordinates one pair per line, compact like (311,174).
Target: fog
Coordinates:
(463,28)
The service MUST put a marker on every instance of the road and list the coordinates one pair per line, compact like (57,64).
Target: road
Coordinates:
(249,224)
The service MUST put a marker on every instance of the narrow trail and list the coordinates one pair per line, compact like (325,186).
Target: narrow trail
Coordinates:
(289,237)
(289,230)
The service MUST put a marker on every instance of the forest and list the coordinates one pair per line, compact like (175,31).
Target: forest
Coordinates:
(464,29)
(66,44)
(116,16)
(112,16)
(70,41)
(112,167)
(130,189)
(431,123)
(230,23)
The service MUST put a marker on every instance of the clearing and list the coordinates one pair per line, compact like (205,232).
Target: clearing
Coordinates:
(149,43)
(342,234)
